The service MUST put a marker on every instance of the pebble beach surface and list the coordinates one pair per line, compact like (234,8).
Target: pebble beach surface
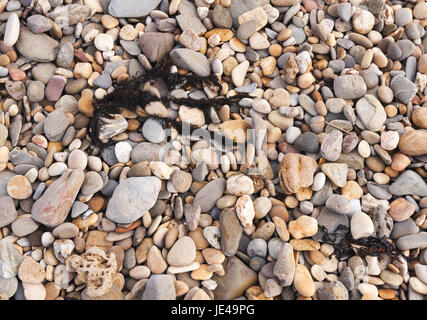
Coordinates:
(332,121)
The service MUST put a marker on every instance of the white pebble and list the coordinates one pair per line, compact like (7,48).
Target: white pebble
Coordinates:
(123,150)
(11,33)
(104,42)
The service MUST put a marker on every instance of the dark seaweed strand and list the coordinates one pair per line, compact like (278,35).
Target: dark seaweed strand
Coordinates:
(373,246)
(128,95)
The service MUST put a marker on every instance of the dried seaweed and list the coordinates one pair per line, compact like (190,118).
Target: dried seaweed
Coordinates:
(345,245)
(129,95)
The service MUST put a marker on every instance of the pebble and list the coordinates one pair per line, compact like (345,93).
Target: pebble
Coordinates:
(297,171)
(8,212)
(240,185)
(336,172)
(361,225)
(30,271)
(159,287)
(302,227)
(412,241)
(38,24)
(182,253)
(77,160)
(66,230)
(137,195)
(153,131)
(303,281)
(19,188)
(231,232)
(191,60)
(11,34)
(398,83)
(58,199)
(24,226)
(349,87)
(238,277)
(207,196)
(371,112)
(338,203)
(413,143)
(37,47)
(363,21)
(331,146)
(409,182)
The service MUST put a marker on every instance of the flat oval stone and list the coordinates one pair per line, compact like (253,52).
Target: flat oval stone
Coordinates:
(412,241)
(52,208)
(24,226)
(349,87)
(132,198)
(182,253)
(207,196)
(371,112)
(331,146)
(231,232)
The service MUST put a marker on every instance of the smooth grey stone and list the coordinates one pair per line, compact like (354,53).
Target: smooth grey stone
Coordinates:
(207,196)
(409,183)
(103,81)
(21,157)
(412,241)
(160,287)
(404,228)
(379,191)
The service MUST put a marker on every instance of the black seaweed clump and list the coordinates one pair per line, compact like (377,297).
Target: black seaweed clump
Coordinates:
(345,245)
(129,95)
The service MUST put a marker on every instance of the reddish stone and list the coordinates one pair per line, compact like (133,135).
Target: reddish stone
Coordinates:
(17,75)
(54,88)
(401,209)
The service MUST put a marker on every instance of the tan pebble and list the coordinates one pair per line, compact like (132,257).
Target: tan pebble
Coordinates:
(52,290)
(181,288)
(109,22)
(34,291)
(224,34)
(4,157)
(213,256)
(401,209)
(118,72)
(155,261)
(128,33)
(143,249)
(268,65)
(305,244)
(281,229)
(368,289)
(19,188)
(304,226)
(303,281)
(258,14)
(83,224)
(387,294)
(352,190)
(279,211)
(202,273)
(31,271)
(85,102)
(200,294)
(82,70)
(418,285)
(305,80)
(317,257)
(49,257)
(419,115)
